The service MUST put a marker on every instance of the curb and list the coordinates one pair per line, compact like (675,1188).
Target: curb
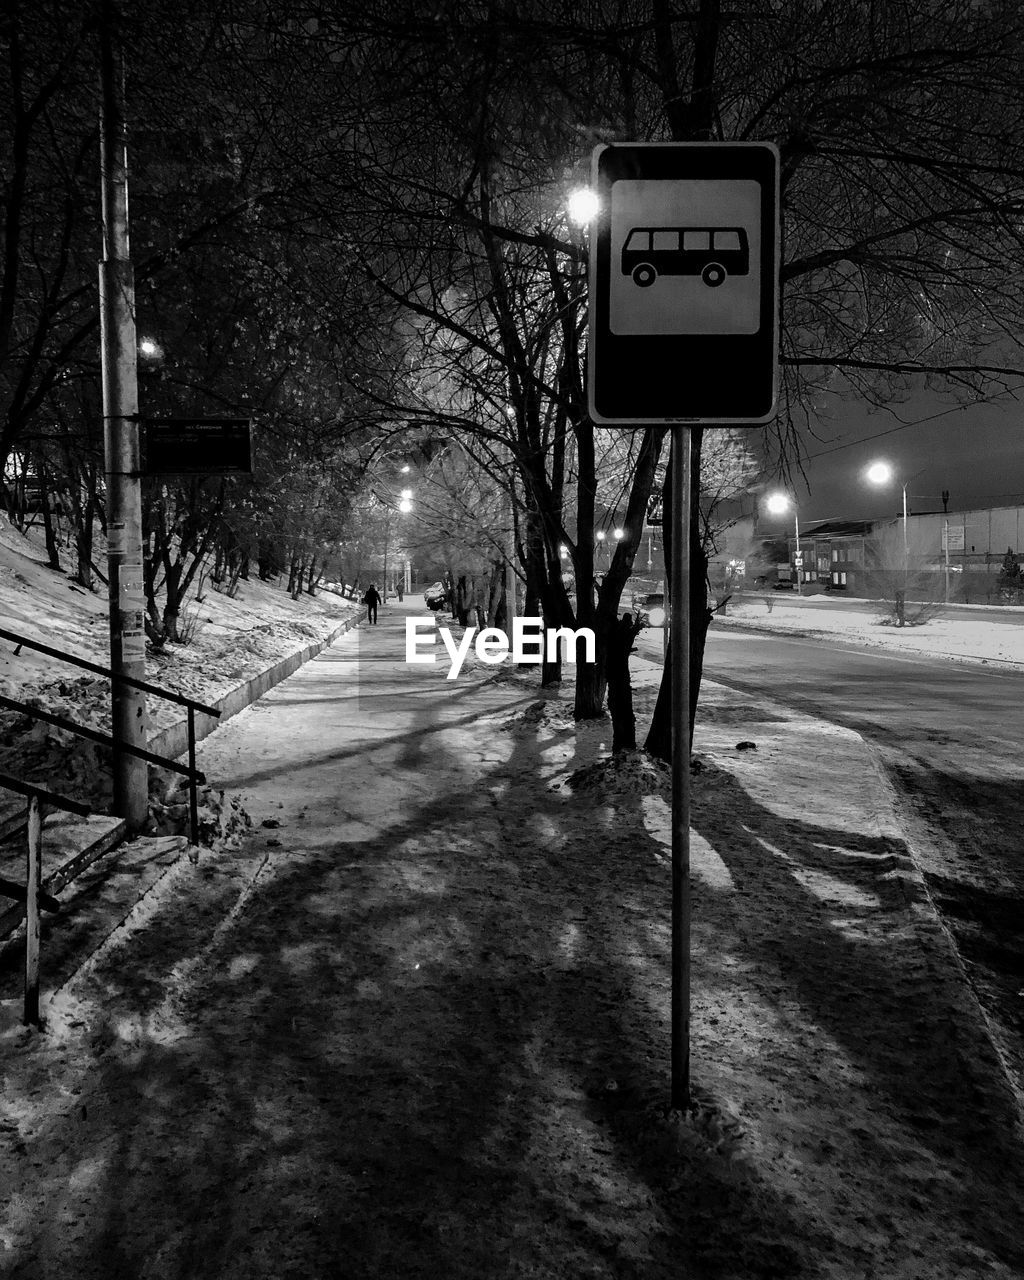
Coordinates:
(937,935)
(172,741)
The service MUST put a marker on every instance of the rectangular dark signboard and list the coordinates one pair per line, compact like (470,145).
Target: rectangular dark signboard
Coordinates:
(684,283)
(196,446)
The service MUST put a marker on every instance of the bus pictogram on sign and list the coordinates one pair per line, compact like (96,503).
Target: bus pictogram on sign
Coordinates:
(712,253)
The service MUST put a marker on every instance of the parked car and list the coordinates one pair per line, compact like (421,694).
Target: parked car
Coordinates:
(435,596)
(653,605)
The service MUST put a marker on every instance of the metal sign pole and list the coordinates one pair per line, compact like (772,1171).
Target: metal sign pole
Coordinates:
(684,274)
(680,708)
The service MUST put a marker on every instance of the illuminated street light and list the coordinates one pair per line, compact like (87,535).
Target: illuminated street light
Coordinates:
(880,473)
(582,206)
(778,504)
(150,348)
(619,534)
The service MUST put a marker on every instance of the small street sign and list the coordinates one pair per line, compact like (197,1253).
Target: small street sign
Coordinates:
(798,559)
(656,510)
(196,446)
(684,284)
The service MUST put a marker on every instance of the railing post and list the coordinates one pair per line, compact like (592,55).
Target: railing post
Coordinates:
(193,799)
(34,875)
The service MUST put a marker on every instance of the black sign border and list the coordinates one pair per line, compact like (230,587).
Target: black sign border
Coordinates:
(634,380)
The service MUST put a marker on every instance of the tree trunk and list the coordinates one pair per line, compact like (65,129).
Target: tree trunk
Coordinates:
(497,611)
(591,684)
(463,601)
(659,736)
(49,531)
(620,687)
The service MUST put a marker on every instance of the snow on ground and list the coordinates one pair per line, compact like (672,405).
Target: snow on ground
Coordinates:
(990,634)
(414,1022)
(232,638)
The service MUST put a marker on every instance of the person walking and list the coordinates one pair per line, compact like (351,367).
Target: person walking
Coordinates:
(371,600)
(401,590)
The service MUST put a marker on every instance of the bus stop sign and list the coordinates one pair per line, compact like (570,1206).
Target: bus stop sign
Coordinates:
(684,283)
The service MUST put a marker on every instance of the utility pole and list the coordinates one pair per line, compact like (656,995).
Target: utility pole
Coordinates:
(121,439)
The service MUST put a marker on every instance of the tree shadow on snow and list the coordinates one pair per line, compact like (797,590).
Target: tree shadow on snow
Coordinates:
(396,1064)
(443,1051)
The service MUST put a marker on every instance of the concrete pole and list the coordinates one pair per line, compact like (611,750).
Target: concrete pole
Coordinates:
(121,441)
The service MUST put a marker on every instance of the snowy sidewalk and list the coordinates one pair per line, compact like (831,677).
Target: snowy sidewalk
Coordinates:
(416,1025)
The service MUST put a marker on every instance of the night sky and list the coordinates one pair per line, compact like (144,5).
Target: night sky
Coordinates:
(933,441)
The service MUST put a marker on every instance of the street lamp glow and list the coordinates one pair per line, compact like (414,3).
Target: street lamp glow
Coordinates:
(406,493)
(405,506)
(879,473)
(600,535)
(582,205)
(149,348)
(778,504)
(619,534)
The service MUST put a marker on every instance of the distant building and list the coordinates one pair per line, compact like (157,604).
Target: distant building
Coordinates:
(960,552)
(859,557)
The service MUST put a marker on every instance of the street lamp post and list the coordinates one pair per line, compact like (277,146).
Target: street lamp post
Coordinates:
(945,541)
(881,473)
(778,503)
(403,506)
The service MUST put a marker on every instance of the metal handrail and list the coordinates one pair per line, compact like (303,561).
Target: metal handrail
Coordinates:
(31,893)
(97,735)
(94,735)
(53,798)
(168,695)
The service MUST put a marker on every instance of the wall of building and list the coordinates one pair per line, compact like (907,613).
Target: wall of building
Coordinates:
(978,541)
